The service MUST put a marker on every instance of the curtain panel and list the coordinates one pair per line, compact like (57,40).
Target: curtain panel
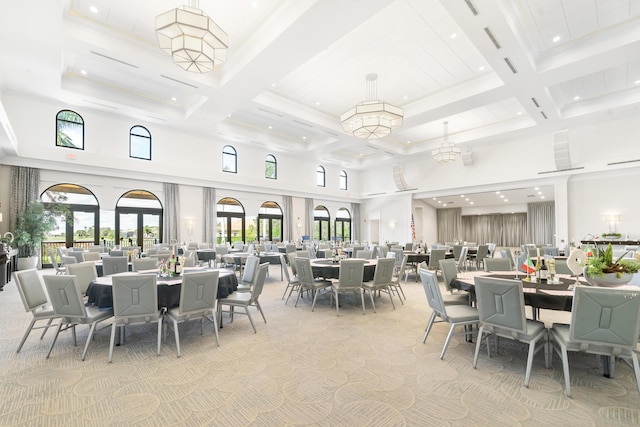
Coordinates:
(309,223)
(541,223)
(171,213)
(287,218)
(25,184)
(355,222)
(209,215)
(449,224)
(501,229)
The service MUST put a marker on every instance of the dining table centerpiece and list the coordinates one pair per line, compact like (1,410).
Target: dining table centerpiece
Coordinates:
(602,270)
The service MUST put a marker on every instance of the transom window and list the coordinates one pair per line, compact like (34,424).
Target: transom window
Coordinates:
(321,177)
(343,180)
(69,130)
(140,143)
(229,159)
(270,167)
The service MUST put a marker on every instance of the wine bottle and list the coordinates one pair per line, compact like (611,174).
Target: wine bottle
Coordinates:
(538,266)
(544,273)
(176,267)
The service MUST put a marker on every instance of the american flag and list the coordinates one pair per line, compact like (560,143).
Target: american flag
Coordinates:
(413,229)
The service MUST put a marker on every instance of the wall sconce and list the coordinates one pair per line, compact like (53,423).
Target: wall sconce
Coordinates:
(190,223)
(613,220)
(0,216)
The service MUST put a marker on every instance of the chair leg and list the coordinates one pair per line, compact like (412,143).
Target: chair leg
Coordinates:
(636,369)
(160,334)
(300,290)
(478,342)
(27,332)
(46,328)
(527,375)
(250,319)
(86,346)
(362,299)
(55,337)
(315,296)
(215,326)
(446,342)
(337,305)
(428,328)
(565,369)
(391,298)
(111,342)
(260,310)
(285,290)
(176,334)
(373,304)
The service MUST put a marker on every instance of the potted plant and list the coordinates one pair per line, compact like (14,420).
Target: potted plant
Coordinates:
(32,226)
(602,270)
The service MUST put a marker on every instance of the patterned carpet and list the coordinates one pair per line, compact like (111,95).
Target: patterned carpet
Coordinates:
(301,368)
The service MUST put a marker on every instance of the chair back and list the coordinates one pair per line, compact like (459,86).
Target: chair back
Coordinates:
(250,270)
(491,249)
(506,253)
(139,264)
(302,254)
(238,245)
(463,257)
(62,251)
(64,295)
(456,251)
(52,256)
(384,271)
(30,289)
(356,249)
(432,292)
(303,267)
(449,268)
(290,248)
(259,283)
(364,254)
(68,259)
(90,256)
(351,273)
(198,291)
(312,252)
(435,256)
(135,298)
(408,246)
(285,268)
(222,249)
(192,246)
(78,255)
(188,262)
(398,255)
(403,266)
(562,267)
(501,303)
(497,264)
(119,252)
(85,273)
(382,251)
(114,265)
(605,316)
(483,251)
(549,250)
(96,248)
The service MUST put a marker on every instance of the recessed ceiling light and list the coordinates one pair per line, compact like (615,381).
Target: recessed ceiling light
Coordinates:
(439,201)
(93,9)
(576,98)
(173,98)
(470,203)
(255,4)
(304,137)
(497,192)
(83,72)
(270,127)
(462,195)
(539,192)
(536,188)
(506,200)
(408,142)
(556,39)
(502,196)
(542,197)
(637,82)
(434,198)
(317,103)
(453,36)
(405,97)
(273,85)
(519,113)
(466,200)
(481,68)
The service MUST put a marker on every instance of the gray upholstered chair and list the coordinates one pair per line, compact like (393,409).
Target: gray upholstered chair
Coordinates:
(381,280)
(434,258)
(68,259)
(349,281)
(363,254)
(604,321)
(141,264)
(500,305)
(77,254)
(114,265)
(307,282)
(497,264)
(507,254)
(60,269)
(456,315)
(246,299)
(90,256)
(35,301)
(462,259)
(456,251)
(135,301)
(198,294)
(481,254)
(67,303)
(449,270)
(249,274)
(85,273)
(292,283)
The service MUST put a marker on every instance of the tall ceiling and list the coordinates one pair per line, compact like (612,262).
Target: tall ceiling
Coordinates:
(494,69)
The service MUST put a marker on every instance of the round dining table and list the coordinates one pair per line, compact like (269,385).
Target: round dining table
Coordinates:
(100,291)
(329,269)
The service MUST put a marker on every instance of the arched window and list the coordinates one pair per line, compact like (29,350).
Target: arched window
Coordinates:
(270,222)
(140,143)
(343,180)
(229,159)
(69,130)
(321,177)
(138,219)
(231,219)
(321,223)
(270,167)
(343,225)
(81,225)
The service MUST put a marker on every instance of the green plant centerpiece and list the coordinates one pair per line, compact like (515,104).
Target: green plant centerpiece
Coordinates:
(602,270)
(611,235)
(32,226)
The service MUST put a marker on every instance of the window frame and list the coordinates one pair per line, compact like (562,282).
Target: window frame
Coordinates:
(233,153)
(343,179)
(148,136)
(320,171)
(270,159)
(80,123)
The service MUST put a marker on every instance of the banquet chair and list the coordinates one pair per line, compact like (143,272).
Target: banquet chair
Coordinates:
(395,285)
(408,246)
(292,284)
(434,259)
(307,282)
(60,269)
(85,273)
(221,250)
(114,265)
(249,274)
(605,322)
(303,254)
(382,251)
(140,264)
(246,299)
(562,267)
(481,254)
(188,261)
(507,254)
(90,256)
(349,281)
(500,305)
(67,259)
(456,251)
(550,250)
(449,270)
(456,315)
(198,294)
(135,301)
(78,255)
(120,252)
(67,303)
(363,254)
(381,281)
(462,260)
(35,301)
(497,264)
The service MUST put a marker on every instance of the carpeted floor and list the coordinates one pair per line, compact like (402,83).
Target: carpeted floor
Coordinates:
(301,368)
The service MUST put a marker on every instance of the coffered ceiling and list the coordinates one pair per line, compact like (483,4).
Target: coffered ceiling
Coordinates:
(494,69)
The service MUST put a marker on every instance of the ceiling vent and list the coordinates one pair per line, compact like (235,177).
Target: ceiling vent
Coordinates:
(113,59)
(398,177)
(492,37)
(179,81)
(623,162)
(535,102)
(471,7)
(561,149)
(543,115)
(510,65)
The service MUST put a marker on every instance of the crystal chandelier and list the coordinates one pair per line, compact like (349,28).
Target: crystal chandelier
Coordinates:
(446,152)
(194,41)
(372,118)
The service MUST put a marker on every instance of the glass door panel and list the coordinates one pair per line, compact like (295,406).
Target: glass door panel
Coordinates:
(236,230)
(264,229)
(276,230)
(150,231)
(221,230)
(128,228)
(83,229)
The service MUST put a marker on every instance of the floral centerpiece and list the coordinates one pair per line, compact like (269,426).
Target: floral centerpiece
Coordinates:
(602,270)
